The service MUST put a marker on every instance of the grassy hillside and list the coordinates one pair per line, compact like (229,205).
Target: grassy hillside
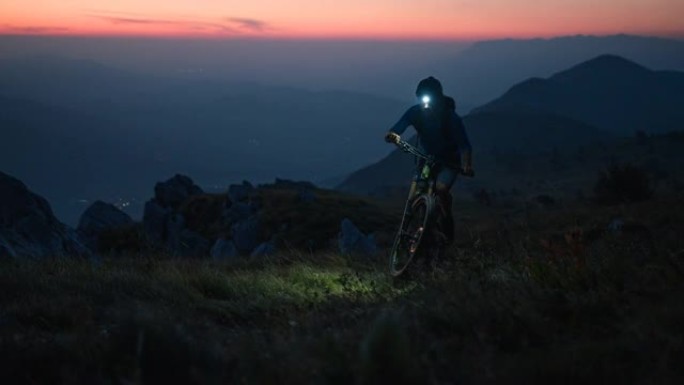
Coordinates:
(527,295)
(563,171)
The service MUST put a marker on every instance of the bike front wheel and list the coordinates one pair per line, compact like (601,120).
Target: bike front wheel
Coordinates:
(413,227)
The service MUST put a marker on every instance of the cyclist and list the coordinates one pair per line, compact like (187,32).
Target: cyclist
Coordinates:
(440,134)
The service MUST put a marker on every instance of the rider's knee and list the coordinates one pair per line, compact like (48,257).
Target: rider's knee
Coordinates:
(442,188)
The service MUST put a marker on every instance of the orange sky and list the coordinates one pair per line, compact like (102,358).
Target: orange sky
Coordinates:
(391,19)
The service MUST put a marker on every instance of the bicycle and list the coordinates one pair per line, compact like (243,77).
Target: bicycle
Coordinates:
(420,233)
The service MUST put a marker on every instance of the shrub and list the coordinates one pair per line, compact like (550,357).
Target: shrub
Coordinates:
(622,184)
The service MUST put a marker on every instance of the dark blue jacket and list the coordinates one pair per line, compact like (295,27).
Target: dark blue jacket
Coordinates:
(441,134)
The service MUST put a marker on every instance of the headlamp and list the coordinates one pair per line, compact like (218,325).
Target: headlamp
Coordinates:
(426,101)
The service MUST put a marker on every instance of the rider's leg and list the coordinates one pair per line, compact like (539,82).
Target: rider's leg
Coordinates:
(420,163)
(446,179)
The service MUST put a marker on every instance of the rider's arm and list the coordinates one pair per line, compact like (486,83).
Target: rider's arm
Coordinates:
(403,123)
(464,146)
(400,126)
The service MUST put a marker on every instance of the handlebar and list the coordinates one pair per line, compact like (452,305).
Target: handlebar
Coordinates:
(411,149)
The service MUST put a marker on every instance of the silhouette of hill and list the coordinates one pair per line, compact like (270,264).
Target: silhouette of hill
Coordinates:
(595,101)
(95,131)
(609,92)
(480,73)
(492,133)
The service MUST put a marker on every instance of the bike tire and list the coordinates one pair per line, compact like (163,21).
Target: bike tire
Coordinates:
(407,242)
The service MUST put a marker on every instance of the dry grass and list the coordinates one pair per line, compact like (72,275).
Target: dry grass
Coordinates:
(501,308)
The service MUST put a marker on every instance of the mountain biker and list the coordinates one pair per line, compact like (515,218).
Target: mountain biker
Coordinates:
(440,134)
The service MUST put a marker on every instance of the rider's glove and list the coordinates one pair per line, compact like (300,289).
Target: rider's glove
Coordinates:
(392,137)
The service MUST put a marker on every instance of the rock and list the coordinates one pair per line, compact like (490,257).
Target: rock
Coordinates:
(6,249)
(306,196)
(545,201)
(154,221)
(264,249)
(246,234)
(240,192)
(352,241)
(615,226)
(237,212)
(175,191)
(28,228)
(192,244)
(223,249)
(289,184)
(174,226)
(99,217)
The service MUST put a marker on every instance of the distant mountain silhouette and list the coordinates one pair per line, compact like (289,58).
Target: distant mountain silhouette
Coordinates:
(487,69)
(594,101)
(81,130)
(609,92)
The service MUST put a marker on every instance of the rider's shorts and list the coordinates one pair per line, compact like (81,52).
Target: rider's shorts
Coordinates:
(447,176)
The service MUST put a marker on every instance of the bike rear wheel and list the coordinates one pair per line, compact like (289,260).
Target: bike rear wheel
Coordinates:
(411,233)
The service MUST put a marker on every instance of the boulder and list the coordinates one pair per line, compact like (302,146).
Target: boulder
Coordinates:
(306,196)
(175,191)
(240,192)
(192,244)
(290,184)
(154,221)
(264,249)
(237,212)
(6,250)
(29,228)
(174,226)
(223,249)
(99,217)
(246,234)
(616,225)
(159,211)
(352,241)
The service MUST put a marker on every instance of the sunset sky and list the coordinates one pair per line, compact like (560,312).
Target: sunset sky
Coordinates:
(383,19)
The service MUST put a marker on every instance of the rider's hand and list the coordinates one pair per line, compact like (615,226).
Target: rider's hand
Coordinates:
(392,137)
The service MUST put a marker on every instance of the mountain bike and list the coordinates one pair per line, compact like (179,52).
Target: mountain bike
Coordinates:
(421,233)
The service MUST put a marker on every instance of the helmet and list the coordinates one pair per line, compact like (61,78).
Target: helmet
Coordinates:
(429,86)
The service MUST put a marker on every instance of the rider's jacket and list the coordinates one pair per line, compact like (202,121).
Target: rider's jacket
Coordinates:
(441,135)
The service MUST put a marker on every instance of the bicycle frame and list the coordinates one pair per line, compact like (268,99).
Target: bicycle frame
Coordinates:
(422,190)
(421,197)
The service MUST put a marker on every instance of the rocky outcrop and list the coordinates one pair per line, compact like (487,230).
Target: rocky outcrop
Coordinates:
(240,192)
(352,241)
(246,234)
(28,228)
(306,196)
(290,184)
(165,227)
(223,249)
(154,221)
(264,249)
(98,218)
(175,191)
(6,249)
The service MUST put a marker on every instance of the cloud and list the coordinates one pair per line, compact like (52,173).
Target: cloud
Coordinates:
(32,29)
(233,25)
(243,23)
(185,24)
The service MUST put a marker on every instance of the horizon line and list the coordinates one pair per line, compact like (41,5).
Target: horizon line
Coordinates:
(351,38)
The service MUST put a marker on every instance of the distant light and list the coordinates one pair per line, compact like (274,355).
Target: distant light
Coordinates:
(426,101)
